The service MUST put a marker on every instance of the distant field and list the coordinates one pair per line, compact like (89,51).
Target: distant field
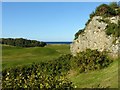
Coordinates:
(13,56)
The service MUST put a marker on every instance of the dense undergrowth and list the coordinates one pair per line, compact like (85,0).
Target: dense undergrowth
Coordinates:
(52,74)
(90,60)
(43,75)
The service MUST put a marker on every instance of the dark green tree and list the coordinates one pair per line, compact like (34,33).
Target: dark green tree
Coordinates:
(20,42)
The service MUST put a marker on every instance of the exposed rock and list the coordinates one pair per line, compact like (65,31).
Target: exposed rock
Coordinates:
(94,37)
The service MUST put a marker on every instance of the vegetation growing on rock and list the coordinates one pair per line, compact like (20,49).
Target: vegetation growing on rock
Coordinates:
(104,10)
(78,33)
(91,60)
(113,29)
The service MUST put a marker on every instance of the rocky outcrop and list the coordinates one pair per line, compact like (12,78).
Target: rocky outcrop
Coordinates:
(94,37)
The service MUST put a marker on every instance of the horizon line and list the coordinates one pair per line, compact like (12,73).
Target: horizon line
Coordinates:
(38,39)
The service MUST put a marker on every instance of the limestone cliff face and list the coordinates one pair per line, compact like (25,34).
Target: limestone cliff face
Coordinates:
(94,37)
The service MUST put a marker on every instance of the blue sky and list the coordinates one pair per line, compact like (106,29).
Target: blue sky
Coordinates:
(47,21)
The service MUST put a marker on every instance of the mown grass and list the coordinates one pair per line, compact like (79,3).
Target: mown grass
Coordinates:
(107,77)
(13,56)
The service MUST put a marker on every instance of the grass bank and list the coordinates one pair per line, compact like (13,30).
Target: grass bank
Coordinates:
(107,77)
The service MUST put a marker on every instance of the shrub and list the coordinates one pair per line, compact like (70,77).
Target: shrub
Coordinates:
(78,33)
(92,14)
(118,11)
(113,29)
(45,75)
(52,74)
(91,60)
(117,33)
(114,5)
(105,10)
(87,22)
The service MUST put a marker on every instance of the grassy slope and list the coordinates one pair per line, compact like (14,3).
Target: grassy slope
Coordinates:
(13,56)
(105,77)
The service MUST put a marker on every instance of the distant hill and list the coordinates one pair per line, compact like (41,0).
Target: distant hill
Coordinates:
(20,42)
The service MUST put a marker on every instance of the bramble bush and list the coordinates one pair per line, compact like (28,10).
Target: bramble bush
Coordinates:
(91,60)
(52,74)
(45,75)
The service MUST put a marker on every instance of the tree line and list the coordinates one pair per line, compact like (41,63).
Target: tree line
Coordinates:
(20,42)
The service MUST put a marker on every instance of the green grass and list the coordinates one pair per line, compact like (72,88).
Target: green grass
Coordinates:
(107,77)
(13,56)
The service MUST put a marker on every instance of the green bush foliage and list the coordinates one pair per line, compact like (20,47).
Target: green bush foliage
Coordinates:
(92,15)
(105,10)
(113,29)
(20,42)
(91,60)
(52,74)
(49,75)
(78,33)
(118,11)
(114,5)
(88,22)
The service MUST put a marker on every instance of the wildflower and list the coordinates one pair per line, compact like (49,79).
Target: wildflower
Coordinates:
(8,73)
